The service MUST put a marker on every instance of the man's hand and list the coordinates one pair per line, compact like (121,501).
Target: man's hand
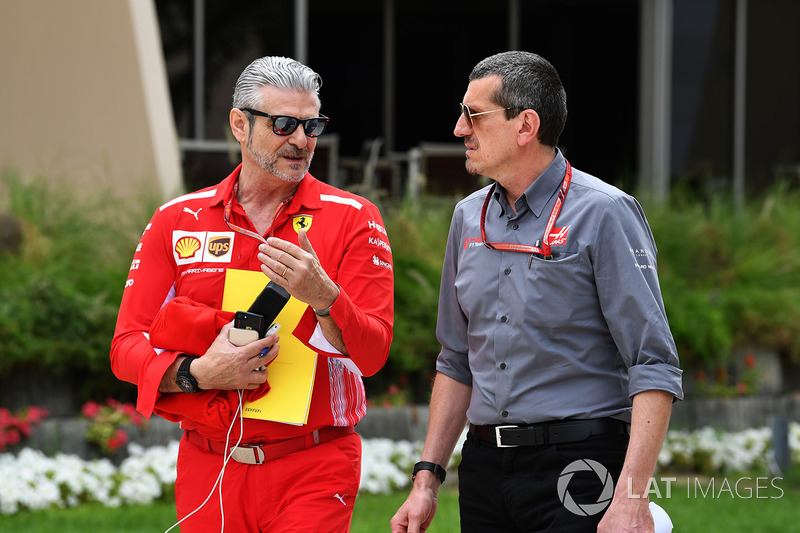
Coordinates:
(630,507)
(228,367)
(416,514)
(627,515)
(298,270)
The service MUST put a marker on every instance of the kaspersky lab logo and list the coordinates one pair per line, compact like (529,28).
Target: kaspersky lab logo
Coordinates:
(585,509)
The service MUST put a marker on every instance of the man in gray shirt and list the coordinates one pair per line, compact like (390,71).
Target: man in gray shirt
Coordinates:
(555,343)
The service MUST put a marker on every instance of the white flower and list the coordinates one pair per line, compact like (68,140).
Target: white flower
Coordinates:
(31,480)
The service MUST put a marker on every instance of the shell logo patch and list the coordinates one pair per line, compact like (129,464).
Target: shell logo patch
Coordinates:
(186,247)
(302,222)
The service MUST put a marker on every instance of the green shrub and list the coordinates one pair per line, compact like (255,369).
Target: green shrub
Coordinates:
(60,291)
(730,277)
(418,234)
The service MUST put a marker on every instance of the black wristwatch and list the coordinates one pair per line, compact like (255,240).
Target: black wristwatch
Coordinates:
(185,379)
(433,467)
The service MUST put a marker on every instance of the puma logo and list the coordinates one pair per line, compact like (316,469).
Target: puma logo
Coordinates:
(193,213)
(341,499)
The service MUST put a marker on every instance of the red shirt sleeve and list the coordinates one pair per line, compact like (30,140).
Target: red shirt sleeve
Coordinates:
(364,309)
(149,285)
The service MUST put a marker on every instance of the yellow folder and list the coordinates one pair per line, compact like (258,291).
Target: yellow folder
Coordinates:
(291,374)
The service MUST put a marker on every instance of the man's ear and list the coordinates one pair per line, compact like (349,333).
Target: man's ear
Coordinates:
(529,127)
(240,125)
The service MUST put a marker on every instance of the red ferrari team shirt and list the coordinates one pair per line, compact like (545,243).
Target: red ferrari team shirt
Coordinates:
(186,250)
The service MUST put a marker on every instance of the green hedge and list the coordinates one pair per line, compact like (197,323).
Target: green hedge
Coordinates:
(60,289)
(730,278)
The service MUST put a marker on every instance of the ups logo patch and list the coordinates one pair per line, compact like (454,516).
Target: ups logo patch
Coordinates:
(219,246)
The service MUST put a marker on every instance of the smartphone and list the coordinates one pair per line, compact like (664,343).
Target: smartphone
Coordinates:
(247,327)
(270,302)
(252,324)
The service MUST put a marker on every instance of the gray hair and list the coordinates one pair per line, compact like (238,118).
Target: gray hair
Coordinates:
(280,72)
(528,81)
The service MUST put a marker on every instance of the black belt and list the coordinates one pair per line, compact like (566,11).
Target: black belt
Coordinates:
(548,432)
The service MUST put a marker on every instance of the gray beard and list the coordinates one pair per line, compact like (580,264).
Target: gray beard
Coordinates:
(269,162)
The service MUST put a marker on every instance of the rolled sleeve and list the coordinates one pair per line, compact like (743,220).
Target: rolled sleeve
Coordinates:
(630,297)
(659,376)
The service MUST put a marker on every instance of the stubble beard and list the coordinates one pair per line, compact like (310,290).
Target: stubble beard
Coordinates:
(468,163)
(269,161)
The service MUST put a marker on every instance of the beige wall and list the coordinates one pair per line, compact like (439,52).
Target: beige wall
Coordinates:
(84,95)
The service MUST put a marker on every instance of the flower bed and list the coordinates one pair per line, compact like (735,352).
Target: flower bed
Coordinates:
(708,451)
(148,474)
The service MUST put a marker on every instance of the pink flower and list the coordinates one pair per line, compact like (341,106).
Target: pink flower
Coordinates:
(117,440)
(90,409)
(36,414)
(13,436)
(24,428)
(112,402)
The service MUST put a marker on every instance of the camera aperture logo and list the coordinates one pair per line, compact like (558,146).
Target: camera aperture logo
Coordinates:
(585,509)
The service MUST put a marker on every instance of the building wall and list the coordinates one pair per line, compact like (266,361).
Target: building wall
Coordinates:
(84,94)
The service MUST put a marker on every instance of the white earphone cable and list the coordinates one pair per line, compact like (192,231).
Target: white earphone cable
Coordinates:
(226,457)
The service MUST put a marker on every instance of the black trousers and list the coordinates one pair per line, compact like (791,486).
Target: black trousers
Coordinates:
(563,488)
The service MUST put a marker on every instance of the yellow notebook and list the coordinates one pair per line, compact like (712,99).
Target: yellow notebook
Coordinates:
(291,374)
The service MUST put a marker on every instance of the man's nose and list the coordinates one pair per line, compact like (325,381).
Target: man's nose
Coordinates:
(462,128)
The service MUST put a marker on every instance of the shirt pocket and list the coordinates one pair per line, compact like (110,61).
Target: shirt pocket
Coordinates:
(562,291)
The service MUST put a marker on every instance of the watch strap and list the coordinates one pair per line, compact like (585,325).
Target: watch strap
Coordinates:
(185,373)
(433,467)
(327,310)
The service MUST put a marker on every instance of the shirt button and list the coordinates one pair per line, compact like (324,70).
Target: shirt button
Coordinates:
(504,319)
(507,271)
(502,366)
(515,226)
(504,414)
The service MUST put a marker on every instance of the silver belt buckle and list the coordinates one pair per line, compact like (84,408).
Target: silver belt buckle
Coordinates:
(499,440)
(248,454)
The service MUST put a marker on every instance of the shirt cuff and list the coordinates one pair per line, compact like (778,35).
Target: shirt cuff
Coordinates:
(659,376)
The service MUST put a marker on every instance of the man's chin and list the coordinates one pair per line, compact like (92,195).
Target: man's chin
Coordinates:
(294,174)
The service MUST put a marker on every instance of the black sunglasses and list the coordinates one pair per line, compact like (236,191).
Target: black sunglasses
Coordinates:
(285,125)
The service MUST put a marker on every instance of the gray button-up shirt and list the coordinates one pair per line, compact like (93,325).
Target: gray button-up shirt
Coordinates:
(577,336)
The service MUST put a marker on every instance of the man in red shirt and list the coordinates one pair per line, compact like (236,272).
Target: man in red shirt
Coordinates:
(329,249)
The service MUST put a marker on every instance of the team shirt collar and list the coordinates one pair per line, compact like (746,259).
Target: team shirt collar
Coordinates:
(539,193)
(307,195)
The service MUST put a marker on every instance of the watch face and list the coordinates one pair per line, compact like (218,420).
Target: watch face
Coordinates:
(184,378)
(185,384)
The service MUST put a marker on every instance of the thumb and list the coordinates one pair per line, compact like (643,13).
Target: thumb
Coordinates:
(305,242)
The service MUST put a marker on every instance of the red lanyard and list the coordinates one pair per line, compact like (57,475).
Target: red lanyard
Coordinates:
(245,231)
(544,251)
